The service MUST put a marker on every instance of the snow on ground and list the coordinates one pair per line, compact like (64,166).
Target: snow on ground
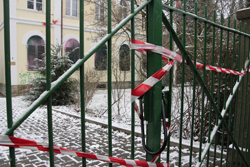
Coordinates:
(67,133)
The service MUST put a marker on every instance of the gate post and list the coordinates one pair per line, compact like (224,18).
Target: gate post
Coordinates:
(154,63)
(244,17)
(242,110)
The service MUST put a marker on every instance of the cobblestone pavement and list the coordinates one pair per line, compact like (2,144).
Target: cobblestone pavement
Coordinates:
(67,134)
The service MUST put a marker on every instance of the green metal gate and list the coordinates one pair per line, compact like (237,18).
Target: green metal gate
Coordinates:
(223,96)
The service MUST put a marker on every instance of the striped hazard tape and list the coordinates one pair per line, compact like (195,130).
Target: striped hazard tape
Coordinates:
(10,141)
(137,111)
(142,47)
(150,82)
(157,156)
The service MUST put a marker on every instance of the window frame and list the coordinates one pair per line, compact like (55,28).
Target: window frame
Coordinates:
(76,52)
(36,53)
(71,8)
(105,60)
(122,57)
(100,10)
(123,8)
(35,5)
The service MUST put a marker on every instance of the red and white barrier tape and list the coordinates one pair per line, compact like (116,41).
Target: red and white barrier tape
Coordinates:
(157,156)
(219,69)
(10,141)
(150,82)
(139,115)
(137,110)
(141,46)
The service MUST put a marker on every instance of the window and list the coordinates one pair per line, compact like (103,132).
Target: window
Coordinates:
(123,11)
(71,8)
(35,4)
(35,50)
(143,22)
(99,10)
(71,46)
(124,60)
(101,58)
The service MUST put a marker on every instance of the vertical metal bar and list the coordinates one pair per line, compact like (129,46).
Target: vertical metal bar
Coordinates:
(212,86)
(238,90)
(242,94)
(132,83)
(170,82)
(247,146)
(61,27)
(222,144)
(81,23)
(109,83)
(182,84)
(245,114)
(190,63)
(215,140)
(231,106)
(8,74)
(154,62)
(227,54)
(219,85)
(194,87)
(248,124)
(48,83)
(211,92)
(204,80)
(225,91)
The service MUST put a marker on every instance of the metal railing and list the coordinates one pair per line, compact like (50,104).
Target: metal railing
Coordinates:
(156,15)
(220,115)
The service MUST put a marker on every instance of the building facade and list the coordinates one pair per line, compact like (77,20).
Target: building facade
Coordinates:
(27,37)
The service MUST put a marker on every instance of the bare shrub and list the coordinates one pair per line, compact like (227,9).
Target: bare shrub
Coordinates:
(91,80)
(118,91)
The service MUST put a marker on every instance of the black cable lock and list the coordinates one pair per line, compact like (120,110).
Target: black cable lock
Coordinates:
(164,128)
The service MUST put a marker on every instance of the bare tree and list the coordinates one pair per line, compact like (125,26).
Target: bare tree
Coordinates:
(121,9)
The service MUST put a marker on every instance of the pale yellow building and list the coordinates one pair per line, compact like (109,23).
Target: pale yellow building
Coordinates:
(27,37)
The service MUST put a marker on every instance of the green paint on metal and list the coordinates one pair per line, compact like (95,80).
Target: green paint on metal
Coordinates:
(81,23)
(170,86)
(194,86)
(155,17)
(70,71)
(204,80)
(48,84)
(209,97)
(193,16)
(212,87)
(152,103)
(219,86)
(225,92)
(245,115)
(242,95)
(233,67)
(7,58)
(132,84)
(238,141)
(182,85)
(248,124)
(109,83)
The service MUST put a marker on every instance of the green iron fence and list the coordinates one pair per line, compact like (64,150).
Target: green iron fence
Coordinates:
(220,106)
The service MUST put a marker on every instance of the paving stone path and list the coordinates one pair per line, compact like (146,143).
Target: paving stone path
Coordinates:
(67,134)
